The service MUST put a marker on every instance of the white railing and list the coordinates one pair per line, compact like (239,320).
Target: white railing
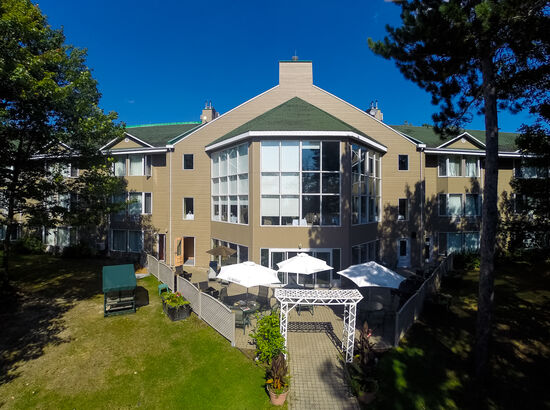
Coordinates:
(153,266)
(166,275)
(412,309)
(209,309)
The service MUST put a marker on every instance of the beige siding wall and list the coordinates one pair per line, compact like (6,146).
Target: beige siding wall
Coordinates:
(463,143)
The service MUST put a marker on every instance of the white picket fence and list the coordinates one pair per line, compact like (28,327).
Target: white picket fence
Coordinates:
(207,308)
(412,309)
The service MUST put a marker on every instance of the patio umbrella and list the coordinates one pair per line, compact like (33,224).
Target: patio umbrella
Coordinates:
(222,251)
(372,274)
(303,264)
(248,274)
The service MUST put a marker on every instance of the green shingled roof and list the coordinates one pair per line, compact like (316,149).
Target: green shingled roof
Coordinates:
(426,135)
(293,115)
(158,135)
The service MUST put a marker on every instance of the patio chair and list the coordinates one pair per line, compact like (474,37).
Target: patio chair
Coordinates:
(203,286)
(241,320)
(263,298)
(223,295)
(311,309)
(213,270)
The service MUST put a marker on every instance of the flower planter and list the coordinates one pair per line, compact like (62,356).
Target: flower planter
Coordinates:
(277,399)
(176,313)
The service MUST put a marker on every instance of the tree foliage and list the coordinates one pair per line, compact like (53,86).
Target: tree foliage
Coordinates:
(475,56)
(49,113)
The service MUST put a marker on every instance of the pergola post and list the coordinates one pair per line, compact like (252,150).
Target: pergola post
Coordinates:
(289,298)
(283,321)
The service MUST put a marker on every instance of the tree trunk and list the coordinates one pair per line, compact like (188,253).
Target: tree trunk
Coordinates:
(488,226)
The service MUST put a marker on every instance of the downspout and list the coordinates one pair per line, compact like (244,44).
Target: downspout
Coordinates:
(170,207)
(422,199)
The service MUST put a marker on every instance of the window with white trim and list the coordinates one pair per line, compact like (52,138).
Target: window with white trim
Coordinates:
(450,205)
(525,169)
(138,203)
(123,240)
(365,185)
(365,252)
(458,242)
(188,209)
(241,254)
(472,205)
(452,166)
(403,163)
(230,185)
(300,183)
(403,209)
(119,166)
(188,161)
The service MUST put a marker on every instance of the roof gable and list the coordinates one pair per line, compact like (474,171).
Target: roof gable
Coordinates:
(293,115)
(158,135)
(426,135)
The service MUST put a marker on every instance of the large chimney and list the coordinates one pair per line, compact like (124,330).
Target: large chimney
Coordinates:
(375,111)
(295,73)
(208,112)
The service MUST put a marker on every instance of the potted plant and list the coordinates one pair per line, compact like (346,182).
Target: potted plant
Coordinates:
(361,370)
(175,306)
(277,383)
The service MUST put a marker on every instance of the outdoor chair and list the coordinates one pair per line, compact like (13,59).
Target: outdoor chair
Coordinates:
(311,309)
(203,286)
(223,295)
(241,320)
(263,298)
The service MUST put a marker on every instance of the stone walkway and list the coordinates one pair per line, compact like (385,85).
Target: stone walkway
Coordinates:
(317,375)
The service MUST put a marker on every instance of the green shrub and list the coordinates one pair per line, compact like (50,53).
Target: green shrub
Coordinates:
(466,261)
(29,245)
(82,250)
(267,338)
(174,300)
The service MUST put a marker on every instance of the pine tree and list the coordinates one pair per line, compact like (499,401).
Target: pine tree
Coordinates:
(475,56)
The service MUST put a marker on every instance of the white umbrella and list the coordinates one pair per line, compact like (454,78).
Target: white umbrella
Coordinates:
(303,264)
(372,274)
(248,274)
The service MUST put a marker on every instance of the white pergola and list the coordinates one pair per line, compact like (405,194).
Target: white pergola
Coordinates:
(290,298)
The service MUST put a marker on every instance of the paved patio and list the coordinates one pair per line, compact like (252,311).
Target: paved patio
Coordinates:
(314,345)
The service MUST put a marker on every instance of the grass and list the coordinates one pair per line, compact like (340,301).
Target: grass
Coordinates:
(432,367)
(58,351)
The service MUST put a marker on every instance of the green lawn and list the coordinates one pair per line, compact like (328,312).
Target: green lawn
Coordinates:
(59,352)
(431,369)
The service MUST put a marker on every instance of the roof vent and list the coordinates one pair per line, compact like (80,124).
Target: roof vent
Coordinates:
(375,111)
(294,57)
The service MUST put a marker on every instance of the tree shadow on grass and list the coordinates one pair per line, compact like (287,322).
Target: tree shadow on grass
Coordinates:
(46,288)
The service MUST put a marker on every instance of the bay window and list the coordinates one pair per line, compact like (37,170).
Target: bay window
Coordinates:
(230,185)
(300,183)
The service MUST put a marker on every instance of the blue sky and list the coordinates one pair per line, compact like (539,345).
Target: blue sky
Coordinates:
(160,62)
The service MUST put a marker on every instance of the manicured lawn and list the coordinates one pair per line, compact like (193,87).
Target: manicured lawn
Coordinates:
(59,352)
(432,368)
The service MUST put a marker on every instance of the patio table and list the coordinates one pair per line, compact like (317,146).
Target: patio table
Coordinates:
(248,307)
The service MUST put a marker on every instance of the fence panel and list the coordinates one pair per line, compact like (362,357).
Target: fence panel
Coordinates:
(191,293)
(219,316)
(166,275)
(153,266)
(412,309)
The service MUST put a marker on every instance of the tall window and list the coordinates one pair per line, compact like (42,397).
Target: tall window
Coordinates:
(126,241)
(471,166)
(403,163)
(188,208)
(365,252)
(472,205)
(300,183)
(450,205)
(120,166)
(403,209)
(230,185)
(365,188)
(187,161)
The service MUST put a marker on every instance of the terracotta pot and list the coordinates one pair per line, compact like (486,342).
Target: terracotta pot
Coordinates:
(367,398)
(277,399)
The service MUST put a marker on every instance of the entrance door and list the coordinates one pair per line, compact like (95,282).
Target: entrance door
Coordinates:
(403,253)
(162,246)
(189,250)
(179,252)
